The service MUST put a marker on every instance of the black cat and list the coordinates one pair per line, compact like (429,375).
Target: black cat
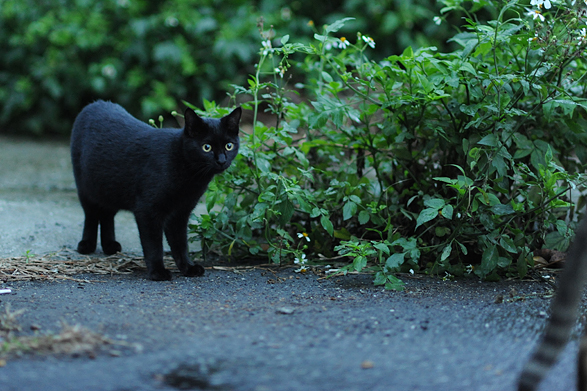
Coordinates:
(120,162)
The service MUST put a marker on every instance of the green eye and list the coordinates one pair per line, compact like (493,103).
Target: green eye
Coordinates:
(207,147)
(229,146)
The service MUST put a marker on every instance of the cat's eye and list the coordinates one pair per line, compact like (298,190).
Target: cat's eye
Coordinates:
(229,146)
(207,147)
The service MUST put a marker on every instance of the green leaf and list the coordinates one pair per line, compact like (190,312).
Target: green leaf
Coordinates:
(467,67)
(321,38)
(359,263)
(327,224)
(263,165)
(445,179)
(483,49)
(502,210)
(463,248)
(395,284)
(446,252)
(315,212)
(355,199)
(425,216)
(447,212)
(555,241)
(382,247)
(489,260)
(363,217)
(327,78)
(380,279)
(504,262)
(408,53)
(286,209)
(348,210)
(284,39)
(426,84)
(434,203)
(211,200)
(395,260)
(508,244)
(334,27)
(490,140)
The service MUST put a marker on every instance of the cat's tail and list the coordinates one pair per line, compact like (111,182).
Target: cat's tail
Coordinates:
(563,317)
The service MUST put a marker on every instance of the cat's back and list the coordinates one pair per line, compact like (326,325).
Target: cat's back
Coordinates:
(106,132)
(105,120)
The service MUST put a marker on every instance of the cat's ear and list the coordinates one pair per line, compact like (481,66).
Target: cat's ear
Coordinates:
(232,120)
(194,124)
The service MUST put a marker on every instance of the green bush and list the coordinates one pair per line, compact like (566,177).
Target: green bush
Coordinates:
(57,56)
(445,163)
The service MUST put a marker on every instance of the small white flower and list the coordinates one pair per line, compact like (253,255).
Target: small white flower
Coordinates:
(437,20)
(533,39)
(301,260)
(267,48)
(302,269)
(536,14)
(541,3)
(280,71)
(412,271)
(342,43)
(369,41)
(582,35)
(303,235)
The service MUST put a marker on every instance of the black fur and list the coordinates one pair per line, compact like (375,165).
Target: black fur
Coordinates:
(120,162)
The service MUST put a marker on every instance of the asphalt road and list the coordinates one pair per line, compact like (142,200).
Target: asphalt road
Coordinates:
(255,329)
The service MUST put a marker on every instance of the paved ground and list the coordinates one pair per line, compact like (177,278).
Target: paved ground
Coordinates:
(254,329)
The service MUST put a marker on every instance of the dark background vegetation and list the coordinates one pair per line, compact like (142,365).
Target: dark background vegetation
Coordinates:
(56,56)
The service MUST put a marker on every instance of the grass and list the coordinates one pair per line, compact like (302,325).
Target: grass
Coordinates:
(65,264)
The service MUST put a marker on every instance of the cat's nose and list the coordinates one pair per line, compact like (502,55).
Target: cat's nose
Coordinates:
(221,159)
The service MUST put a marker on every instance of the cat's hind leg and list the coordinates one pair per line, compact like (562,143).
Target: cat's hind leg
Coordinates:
(176,233)
(90,234)
(107,236)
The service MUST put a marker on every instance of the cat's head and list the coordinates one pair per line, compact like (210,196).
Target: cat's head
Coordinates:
(211,143)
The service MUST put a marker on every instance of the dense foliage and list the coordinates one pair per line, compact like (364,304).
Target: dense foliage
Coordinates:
(444,162)
(58,55)
(408,138)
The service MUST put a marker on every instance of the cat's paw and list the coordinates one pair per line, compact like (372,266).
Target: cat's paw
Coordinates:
(194,271)
(112,247)
(160,275)
(86,247)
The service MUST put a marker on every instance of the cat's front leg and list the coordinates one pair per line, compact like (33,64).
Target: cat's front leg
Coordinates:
(151,234)
(176,233)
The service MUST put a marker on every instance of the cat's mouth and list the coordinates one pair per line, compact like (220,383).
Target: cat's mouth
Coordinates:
(220,167)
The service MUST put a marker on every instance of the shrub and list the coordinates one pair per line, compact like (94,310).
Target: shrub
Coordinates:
(57,56)
(425,161)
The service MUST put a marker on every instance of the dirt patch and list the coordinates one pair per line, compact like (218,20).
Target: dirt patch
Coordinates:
(75,340)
